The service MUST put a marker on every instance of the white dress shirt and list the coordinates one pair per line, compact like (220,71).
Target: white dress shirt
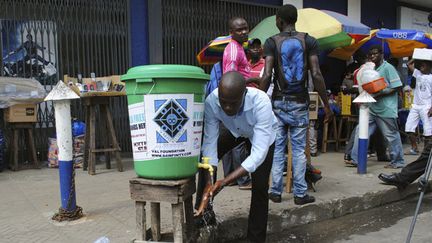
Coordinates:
(254,121)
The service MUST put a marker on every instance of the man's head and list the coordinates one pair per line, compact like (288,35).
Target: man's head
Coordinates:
(255,49)
(232,89)
(375,55)
(238,29)
(424,66)
(285,16)
(29,37)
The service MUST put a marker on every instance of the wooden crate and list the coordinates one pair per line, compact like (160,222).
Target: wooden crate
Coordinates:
(21,113)
(344,102)
(313,105)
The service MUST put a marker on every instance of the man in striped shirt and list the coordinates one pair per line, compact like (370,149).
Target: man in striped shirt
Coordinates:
(234,56)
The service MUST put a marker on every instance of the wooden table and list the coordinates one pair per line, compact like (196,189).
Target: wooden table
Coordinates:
(91,101)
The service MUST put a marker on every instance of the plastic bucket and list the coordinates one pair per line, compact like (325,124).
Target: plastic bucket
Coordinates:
(166,110)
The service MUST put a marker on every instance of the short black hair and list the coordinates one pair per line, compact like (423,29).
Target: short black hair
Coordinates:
(376,47)
(231,21)
(425,62)
(288,13)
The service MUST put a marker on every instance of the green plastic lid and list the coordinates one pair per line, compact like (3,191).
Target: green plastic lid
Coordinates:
(146,73)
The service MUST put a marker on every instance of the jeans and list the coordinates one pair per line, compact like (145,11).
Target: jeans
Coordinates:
(313,137)
(377,144)
(293,117)
(390,131)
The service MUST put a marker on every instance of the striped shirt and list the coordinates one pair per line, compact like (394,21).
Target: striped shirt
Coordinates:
(234,59)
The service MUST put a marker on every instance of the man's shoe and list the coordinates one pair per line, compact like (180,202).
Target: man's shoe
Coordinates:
(347,157)
(275,197)
(412,152)
(384,159)
(246,186)
(392,180)
(313,154)
(392,166)
(304,200)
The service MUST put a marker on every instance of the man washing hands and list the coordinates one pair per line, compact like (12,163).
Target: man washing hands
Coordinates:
(247,114)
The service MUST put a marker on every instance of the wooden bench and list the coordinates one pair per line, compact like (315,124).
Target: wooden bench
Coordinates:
(27,129)
(176,192)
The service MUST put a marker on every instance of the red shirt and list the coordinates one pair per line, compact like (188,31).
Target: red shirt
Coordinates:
(257,68)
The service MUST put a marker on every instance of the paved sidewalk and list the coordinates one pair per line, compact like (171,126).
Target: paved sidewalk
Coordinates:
(29,198)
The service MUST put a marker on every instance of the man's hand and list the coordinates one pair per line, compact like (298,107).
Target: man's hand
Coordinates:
(217,187)
(410,65)
(204,200)
(328,114)
(209,193)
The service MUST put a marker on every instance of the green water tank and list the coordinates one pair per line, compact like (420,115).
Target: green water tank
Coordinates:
(166,110)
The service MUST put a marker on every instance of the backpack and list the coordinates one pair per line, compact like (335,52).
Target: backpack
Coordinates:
(215,77)
(292,65)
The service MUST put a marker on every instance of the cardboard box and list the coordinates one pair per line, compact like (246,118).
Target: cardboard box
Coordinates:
(344,102)
(313,105)
(21,113)
(407,99)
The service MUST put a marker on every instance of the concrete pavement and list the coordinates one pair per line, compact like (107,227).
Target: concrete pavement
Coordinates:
(29,198)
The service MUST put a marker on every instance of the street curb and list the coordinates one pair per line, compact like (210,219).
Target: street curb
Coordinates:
(235,227)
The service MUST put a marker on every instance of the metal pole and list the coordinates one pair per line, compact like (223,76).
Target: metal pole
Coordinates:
(423,183)
(64,141)
(61,95)
(363,139)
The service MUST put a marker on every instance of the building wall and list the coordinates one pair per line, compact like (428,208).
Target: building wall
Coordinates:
(379,14)
(339,6)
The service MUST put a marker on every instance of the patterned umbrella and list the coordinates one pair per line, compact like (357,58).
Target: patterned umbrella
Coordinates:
(396,43)
(213,51)
(331,29)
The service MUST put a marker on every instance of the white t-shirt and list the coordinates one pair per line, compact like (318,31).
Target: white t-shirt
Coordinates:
(423,89)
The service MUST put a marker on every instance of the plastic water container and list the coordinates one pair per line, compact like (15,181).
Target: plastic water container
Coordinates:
(166,110)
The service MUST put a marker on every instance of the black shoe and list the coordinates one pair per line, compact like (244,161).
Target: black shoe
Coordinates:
(275,197)
(392,180)
(304,200)
(313,154)
(384,159)
(347,157)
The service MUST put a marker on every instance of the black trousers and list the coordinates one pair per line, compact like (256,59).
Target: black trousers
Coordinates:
(258,212)
(417,168)
(231,160)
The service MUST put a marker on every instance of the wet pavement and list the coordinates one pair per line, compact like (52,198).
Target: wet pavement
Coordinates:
(389,223)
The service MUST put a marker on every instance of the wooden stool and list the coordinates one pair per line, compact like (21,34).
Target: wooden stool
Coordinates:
(90,149)
(289,175)
(27,129)
(332,127)
(176,192)
(346,124)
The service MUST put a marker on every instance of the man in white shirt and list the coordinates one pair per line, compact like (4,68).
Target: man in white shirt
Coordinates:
(247,114)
